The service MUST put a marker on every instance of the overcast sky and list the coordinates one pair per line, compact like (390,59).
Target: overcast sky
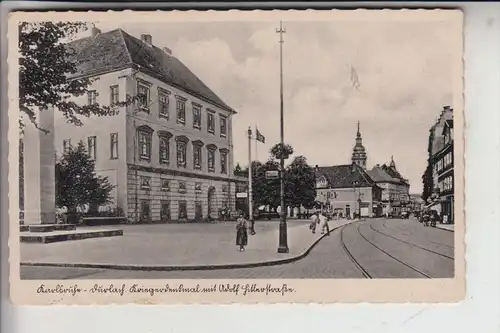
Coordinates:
(403,68)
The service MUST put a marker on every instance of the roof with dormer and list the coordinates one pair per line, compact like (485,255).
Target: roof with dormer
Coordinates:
(345,176)
(116,50)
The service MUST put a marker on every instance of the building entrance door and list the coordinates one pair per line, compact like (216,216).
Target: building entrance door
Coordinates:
(211,202)
(347,211)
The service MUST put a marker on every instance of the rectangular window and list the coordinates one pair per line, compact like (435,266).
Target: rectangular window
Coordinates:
(224,188)
(163,104)
(223,126)
(182,187)
(181,110)
(145,183)
(196,157)
(114,96)
(181,154)
(92,97)
(164,150)
(165,210)
(143,96)
(196,116)
(197,187)
(145,210)
(211,160)
(66,145)
(210,122)
(114,145)
(182,210)
(165,185)
(223,163)
(145,145)
(92,147)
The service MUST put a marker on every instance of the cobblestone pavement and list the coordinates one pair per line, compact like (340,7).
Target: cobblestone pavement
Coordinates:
(399,244)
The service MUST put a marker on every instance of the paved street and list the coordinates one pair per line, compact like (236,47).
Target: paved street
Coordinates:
(376,248)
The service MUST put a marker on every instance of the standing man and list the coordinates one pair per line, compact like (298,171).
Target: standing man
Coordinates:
(314,222)
(323,223)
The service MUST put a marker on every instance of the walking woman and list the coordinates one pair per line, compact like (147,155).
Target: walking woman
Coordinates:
(241,232)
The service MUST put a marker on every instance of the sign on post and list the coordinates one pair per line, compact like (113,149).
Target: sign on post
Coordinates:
(241,195)
(273,174)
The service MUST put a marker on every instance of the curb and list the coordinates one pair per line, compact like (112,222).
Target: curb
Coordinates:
(445,229)
(187,268)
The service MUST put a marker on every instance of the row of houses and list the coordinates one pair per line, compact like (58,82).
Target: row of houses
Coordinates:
(351,189)
(441,166)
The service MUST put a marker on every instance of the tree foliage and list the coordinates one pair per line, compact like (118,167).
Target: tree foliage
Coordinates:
(77,184)
(48,73)
(276,151)
(300,183)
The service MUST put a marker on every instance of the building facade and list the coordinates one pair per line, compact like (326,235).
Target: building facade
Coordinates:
(442,166)
(169,154)
(347,190)
(395,189)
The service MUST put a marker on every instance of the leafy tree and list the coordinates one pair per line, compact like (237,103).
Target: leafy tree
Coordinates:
(77,184)
(48,73)
(265,191)
(276,151)
(300,183)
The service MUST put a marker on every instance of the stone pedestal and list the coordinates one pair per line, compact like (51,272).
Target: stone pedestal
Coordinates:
(39,170)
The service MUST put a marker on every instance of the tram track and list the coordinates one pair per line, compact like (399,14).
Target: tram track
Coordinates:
(437,243)
(361,268)
(410,243)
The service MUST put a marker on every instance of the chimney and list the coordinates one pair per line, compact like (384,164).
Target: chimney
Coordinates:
(147,39)
(95,31)
(167,50)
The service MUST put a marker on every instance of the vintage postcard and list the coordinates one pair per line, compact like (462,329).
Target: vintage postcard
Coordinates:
(236,157)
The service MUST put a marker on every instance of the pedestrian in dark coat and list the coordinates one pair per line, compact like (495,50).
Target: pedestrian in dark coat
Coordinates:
(241,233)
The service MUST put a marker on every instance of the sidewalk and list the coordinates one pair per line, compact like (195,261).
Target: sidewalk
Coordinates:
(449,227)
(177,247)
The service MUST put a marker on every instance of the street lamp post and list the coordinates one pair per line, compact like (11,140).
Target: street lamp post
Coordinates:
(283,241)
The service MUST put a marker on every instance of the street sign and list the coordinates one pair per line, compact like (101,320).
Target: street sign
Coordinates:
(273,174)
(242,195)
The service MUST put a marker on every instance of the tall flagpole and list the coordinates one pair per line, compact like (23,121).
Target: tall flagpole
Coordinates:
(250,196)
(283,241)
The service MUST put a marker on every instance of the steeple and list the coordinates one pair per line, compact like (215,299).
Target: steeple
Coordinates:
(359,152)
(393,164)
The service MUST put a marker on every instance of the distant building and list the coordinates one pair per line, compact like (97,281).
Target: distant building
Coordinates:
(395,188)
(348,190)
(170,155)
(442,166)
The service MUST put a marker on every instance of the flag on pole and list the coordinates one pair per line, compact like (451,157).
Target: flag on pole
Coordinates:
(355,79)
(259,136)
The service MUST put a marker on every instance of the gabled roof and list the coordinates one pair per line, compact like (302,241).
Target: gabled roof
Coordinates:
(115,50)
(379,175)
(345,176)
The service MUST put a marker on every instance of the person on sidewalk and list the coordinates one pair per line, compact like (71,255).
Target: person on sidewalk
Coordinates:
(314,222)
(323,223)
(241,232)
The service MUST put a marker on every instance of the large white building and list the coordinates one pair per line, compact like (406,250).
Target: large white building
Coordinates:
(170,154)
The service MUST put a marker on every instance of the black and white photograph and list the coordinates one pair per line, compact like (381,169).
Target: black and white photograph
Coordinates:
(270,147)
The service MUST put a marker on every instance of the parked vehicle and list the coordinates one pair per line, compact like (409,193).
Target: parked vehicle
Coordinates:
(405,215)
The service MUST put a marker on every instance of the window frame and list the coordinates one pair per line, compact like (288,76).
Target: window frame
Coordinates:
(147,132)
(223,120)
(92,149)
(145,183)
(182,186)
(196,115)
(113,146)
(92,97)
(114,92)
(162,210)
(166,104)
(223,157)
(164,188)
(66,145)
(145,102)
(211,149)
(181,142)
(180,109)
(210,121)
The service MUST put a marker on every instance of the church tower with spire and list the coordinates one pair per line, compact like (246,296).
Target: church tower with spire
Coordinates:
(359,152)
